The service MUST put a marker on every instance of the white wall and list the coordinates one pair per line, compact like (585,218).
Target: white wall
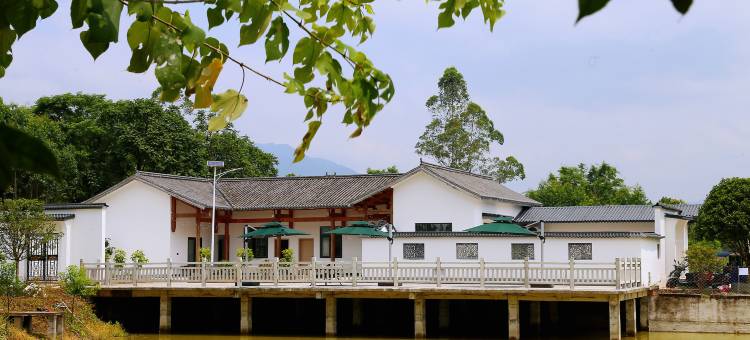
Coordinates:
(599,226)
(138,217)
(501,208)
(422,198)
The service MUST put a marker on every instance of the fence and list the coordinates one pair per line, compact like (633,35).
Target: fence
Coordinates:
(622,273)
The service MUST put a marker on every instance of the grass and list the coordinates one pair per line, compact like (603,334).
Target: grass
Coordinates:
(80,320)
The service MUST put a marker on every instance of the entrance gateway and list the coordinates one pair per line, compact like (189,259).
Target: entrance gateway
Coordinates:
(41,260)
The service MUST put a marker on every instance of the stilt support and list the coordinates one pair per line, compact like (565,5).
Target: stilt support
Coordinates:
(356,313)
(444,314)
(514,327)
(643,312)
(165,314)
(535,316)
(420,327)
(330,316)
(630,321)
(614,318)
(246,315)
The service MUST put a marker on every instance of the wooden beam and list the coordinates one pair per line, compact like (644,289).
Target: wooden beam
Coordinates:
(173,215)
(332,238)
(226,241)
(285,219)
(291,218)
(197,235)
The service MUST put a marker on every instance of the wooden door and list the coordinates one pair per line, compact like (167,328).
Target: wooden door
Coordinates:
(305,249)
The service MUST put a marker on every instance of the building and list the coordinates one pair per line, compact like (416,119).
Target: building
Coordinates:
(168,216)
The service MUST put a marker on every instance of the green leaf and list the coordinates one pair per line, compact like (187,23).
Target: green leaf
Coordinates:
(277,40)
(228,106)
(249,34)
(78,12)
(192,36)
(104,24)
(214,17)
(445,18)
(21,151)
(312,129)
(22,15)
(588,7)
(682,6)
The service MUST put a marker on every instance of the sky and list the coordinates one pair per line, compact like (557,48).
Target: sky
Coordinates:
(662,97)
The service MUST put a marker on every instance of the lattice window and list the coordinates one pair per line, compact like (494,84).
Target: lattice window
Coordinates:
(467,251)
(433,226)
(414,251)
(579,251)
(520,251)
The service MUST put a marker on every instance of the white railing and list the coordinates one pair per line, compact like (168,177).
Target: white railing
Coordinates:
(623,273)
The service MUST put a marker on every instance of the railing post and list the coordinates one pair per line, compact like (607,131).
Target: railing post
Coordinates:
(275,271)
(238,273)
(482,272)
(169,272)
(438,269)
(98,270)
(395,272)
(107,273)
(526,272)
(572,274)
(203,273)
(354,271)
(617,273)
(135,275)
(640,273)
(313,271)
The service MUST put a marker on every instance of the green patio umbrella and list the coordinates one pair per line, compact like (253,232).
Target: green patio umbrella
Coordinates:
(360,228)
(501,225)
(273,229)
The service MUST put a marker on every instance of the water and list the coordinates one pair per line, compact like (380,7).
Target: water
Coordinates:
(641,336)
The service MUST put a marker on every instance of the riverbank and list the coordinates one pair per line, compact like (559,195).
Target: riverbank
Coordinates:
(80,320)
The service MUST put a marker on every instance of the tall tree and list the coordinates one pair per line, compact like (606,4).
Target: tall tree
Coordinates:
(584,185)
(22,222)
(99,142)
(671,200)
(725,216)
(389,170)
(460,133)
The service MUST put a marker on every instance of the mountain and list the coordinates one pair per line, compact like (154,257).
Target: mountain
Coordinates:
(310,166)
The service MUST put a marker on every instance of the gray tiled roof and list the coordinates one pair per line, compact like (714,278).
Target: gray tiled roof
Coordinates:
(266,192)
(303,192)
(557,234)
(688,210)
(60,217)
(482,186)
(73,206)
(597,213)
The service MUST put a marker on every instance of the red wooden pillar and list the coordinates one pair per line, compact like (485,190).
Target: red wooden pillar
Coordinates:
(226,240)
(197,234)
(173,217)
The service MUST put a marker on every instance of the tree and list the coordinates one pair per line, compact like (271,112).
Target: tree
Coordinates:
(99,142)
(460,133)
(75,283)
(23,223)
(188,61)
(671,200)
(702,260)
(583,185)
(389,170)
(725,216)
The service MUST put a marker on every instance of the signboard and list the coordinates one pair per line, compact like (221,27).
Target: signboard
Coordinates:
(215,164)
(743,272)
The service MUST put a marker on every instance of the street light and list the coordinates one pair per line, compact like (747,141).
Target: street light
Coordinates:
(216,164)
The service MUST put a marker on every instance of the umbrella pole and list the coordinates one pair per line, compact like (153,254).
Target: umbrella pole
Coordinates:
(278,246)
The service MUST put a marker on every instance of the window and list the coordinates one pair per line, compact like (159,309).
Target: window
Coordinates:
(467,251)
(325,244)
(433,226)
(259,247)
(579,251)
(658,251)
(413,251)
(520,251)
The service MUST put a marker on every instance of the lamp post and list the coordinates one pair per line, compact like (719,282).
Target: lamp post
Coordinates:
(216,164)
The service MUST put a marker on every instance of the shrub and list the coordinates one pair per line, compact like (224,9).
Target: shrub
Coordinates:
(10,285)
(138,257)
(245,253)
(701,258)
(205,254)
(74,282)
(287,255)
(120,256)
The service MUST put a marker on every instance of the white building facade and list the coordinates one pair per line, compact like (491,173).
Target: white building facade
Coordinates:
(168,217)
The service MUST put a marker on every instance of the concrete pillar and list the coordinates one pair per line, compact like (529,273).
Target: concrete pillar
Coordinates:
(165,314)
(52,327)
(444,314)
(630,321)
(514,327)
(246,315)
(614,318)
(643,313)
(356,313)
(535,316)
(330,316)
(420,326)
(61,325)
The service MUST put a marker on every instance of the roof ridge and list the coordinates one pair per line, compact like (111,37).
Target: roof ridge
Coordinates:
(163,175)
(277,178)
(446,168)
(594,206)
